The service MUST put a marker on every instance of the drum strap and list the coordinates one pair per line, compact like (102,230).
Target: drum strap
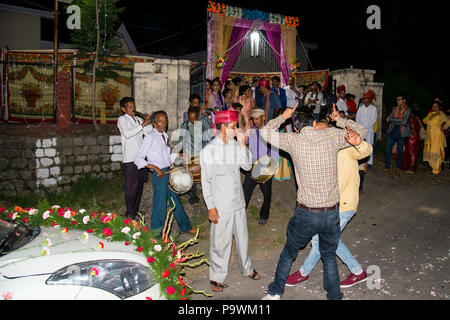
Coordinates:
(269,147)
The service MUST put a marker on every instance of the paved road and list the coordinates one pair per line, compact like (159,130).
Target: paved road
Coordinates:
(402,228)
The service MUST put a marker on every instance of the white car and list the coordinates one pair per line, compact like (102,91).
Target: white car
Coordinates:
(48,263)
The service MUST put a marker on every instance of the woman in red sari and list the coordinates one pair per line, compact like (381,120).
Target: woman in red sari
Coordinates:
(411,151)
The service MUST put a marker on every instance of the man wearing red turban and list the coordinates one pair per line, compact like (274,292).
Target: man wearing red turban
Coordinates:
(342,102)
(221,161)
(367,116)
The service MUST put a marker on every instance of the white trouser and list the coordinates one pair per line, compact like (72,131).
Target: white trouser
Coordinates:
(231,223)
(369,140)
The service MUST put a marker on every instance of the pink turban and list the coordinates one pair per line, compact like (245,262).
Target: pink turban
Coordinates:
(226,116)
(264,83)
(340,88)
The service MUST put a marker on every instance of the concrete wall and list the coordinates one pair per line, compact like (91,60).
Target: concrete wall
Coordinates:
(163,85)
(31,164)
(20,31)
(358,82)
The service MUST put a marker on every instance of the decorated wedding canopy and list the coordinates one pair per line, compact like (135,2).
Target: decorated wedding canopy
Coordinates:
(228,27)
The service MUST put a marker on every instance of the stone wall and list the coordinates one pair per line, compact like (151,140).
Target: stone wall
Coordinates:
(32,164)
(358,82)
(163,85)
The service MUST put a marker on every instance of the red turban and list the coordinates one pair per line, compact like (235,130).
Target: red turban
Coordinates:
(340,88)
(226,116)
(369,95)
(264,83)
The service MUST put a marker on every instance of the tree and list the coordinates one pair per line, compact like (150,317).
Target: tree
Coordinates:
(96,40)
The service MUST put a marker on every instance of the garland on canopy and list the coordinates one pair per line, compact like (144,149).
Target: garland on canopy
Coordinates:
(235,12)
(166,259)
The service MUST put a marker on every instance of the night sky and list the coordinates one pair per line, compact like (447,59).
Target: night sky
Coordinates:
(407,53)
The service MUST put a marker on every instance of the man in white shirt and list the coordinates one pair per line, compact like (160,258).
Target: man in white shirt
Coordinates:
(367,116)
(155,154)
(341,103)
(314,100)
(220,162)
(132,130)
(293,93)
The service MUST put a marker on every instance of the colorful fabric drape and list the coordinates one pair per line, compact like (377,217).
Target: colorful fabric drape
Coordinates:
(273,32)
(236,42)
(223,28)
(210,49)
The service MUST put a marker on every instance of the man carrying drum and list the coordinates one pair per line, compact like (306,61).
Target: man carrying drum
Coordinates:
(220,162)
(259,148)
(155,155)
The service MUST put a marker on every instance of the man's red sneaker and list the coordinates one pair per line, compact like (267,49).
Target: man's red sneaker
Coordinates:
(353,279)
(295,278)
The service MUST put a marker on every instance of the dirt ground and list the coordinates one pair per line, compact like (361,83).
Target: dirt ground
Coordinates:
(402,227)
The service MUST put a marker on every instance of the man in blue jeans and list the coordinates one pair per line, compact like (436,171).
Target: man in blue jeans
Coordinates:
(155,155)
(314,153)
(398,130)
(349,180)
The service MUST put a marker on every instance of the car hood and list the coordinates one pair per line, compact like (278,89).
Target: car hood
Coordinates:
(65,248)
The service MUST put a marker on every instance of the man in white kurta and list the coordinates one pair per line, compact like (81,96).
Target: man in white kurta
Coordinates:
(222,190)
(367,116)
(341,103)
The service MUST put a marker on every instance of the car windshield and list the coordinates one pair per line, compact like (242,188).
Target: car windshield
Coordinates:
(14,236)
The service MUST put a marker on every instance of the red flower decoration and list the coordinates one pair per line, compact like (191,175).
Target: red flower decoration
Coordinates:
(165,273)
(107,232)
(24,219)
(74,223)
(170,290)
(127,243)
(89,230)
(94,214)
(150,260)
(54,224)
(172,266)
(139,249)
(105,219)
(183,292)
(148,298)
(2,210)
(100,245)
(145,229)
(127,221)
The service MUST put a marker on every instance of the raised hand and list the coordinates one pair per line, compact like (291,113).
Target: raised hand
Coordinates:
(335,114)
(352,137)
(287,114)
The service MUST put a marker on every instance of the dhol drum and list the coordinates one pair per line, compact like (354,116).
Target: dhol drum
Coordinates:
(180,180)
(194,168)
(263,169)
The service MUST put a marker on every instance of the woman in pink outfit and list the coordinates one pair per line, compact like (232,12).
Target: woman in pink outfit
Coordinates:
(248,104)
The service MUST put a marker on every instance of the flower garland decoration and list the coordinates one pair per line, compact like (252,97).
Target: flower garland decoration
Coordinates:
(292,68)
(239,13)
(220,61)
(166,259)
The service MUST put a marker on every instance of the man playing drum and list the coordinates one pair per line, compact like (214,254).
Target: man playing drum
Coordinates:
(155,155)
(259,147)
(220,161)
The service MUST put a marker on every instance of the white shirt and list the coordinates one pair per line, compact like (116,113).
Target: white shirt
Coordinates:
(221,177)
(342,105)
(318,103)
(367,116)
(291,97)
(131,134)
(155,151)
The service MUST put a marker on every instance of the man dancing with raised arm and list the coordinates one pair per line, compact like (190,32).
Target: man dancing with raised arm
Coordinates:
(220,161)
(314,154)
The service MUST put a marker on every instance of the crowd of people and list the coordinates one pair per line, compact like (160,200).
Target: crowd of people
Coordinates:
(323,141)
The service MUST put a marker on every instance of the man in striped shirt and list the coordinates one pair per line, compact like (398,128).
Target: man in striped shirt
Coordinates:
(314,154)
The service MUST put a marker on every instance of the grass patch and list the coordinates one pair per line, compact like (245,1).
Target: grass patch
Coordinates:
(92,194)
